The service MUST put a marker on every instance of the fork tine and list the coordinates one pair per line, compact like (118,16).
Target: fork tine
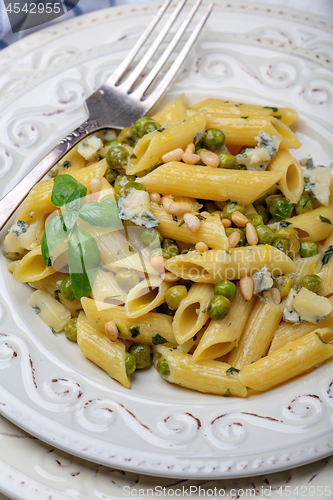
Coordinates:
(131,79)
(163,85)
(119,71)
(138,93)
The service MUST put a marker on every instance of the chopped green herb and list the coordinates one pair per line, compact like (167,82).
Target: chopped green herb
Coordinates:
(175,218)
(158,339)
(133,156)
(67,164)
(328,254)
(130,248)
(320,337)
(160,129)
(278,117)
(200,217)
(135,331)
(56,295)
(244,117)
(37,309)
(53,331)
(284,223)
(324,219)
(270,107)
(227,394)
(181,223)
(231,370)
(112,296)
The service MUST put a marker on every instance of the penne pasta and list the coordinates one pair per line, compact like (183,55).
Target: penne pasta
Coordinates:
(173,112)
(327,270)
(145,296)
(292,181)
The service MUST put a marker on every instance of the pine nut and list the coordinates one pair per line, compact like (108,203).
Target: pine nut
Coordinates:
(155,197)
(170,277)
(174,155)
(246,285)
(179,208)
(190,148)
(210,159)
(226,222)
(111,330)
(276,296)
(234,239)
(239,219)
(166,200)
(190,158)
(201,247)
(96,186)
(158,263)
(251,234)
(192,222)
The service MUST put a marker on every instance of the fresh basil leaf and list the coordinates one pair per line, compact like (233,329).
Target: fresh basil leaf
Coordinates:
(158,339)
(325,219)
(69,219)
(327,255)
(55,234)
(63,187)
(74,201)
(84,261)
(104,214)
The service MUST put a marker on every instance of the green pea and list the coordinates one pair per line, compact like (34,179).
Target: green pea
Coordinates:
(151,237)
(143,355)
(117,156)
(230,230)
(218,307)
(121,181)
(159,252)
(305,204)
(130,363)
(308,249)
(283,284)
(133,185)
(226,288)
(145,125)
(255,219)
(279,207)
(265,234)
(312,282)
(213,138)
(66,289)
(127,279)
(110,175)
(230,208)
(163,367)
(71,330)
(286,232)
(210,207)
(128,135)
(228,161)
(282,244)
(175,295)
(263,212)
(170,246)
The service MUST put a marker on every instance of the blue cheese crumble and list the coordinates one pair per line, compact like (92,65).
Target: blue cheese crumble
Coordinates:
(289,313)
(263,281)
(317,182)
(89,147)
(136,208)
(259,157)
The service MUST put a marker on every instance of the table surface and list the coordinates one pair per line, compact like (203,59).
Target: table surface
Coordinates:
(13,438)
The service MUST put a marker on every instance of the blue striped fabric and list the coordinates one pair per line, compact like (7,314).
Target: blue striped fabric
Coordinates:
(74,7)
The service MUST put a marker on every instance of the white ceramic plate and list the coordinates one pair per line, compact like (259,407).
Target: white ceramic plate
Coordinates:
(264,55)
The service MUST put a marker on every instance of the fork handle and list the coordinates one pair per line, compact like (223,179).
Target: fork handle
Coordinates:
(10,202)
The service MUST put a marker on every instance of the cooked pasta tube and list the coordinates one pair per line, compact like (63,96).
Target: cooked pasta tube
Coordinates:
(112,247)
(239,131)
(190,315)
(223,335)
(134,261)
(218,184)
(289,361)
(110,356)
(210,232)
(151,324)
(71,162)
(310,226)
(327,277)
(38,201)
(292,181)
(32,267)
(287,332)
(106,288)
(286,115)
(173,112)
(151,147)
(258,333)
(49,310)
(208,376)
(51,285)
(145,296)
(232,264)
(304,266)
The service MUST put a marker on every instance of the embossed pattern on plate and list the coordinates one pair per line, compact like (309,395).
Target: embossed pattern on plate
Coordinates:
(48,388)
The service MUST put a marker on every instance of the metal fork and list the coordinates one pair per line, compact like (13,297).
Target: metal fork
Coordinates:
(117,104)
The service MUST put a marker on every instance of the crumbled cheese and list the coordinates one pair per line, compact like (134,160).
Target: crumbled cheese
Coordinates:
(22,237)
(89,147)
(289,313)
(262,281)
(136,208)
(258,158)
(109,135)
(317,182)
(311,307)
